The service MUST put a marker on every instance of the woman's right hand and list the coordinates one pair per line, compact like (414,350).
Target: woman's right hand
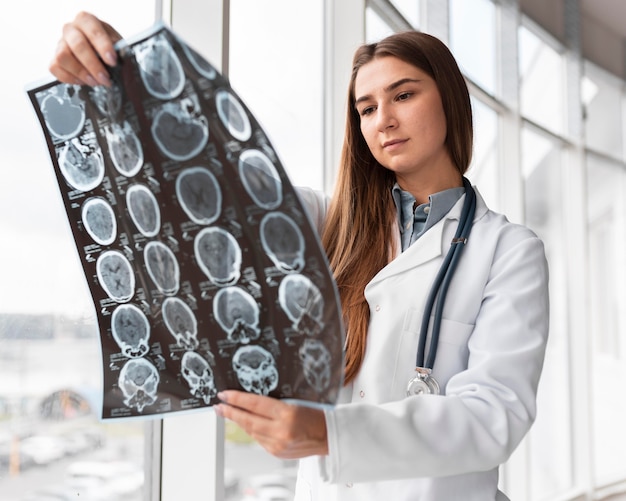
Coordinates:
(84,51)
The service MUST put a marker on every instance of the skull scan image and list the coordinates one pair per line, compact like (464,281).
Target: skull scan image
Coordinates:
(99,220)
(199,195)
(139,382)
(315,359)
(116,276)
(63,110)
(219,256)
(260,179)
(180,131)
(303,303)
(200,64)
(232,115)
(108,100)
(131,330)
(143,209)
(181,322)
(199,376)
(256,369)
(82,165)
(125,148)
(282,241)
(162,267)
(159,68)
(238,314)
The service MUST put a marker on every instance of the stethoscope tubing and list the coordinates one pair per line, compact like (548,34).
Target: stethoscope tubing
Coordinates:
(442,281)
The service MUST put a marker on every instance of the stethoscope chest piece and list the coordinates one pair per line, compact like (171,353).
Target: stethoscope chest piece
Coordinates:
(422,383)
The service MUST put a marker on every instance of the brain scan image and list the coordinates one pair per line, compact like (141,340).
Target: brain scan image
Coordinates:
(199,195)
(238,314)
(159,68)
(131,330)
(200,64)
(282,241)
(315,359)
(260,179)
(181,322)
(63,111)
(303,303)
(199,376)
(219,256)
(143,209)
(108,100)
(179,130)
(99,220)
(232,115)
(139,382)
(162,267)
(256,369)
(115,275)
(124,148)
(81,165)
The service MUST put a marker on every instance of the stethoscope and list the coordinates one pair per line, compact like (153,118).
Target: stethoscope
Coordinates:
(423,382)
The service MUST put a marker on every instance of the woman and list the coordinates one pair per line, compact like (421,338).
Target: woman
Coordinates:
(388,227)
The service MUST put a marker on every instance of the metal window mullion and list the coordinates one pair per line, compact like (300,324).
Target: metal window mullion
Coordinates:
(192,445)
(344,31)
(577,260)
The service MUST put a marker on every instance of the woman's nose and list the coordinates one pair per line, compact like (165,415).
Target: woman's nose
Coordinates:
(386,118)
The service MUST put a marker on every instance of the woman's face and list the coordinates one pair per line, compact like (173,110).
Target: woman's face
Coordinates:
(402,119)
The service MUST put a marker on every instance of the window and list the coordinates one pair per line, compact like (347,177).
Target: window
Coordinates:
(606,193)
(602,101)
(550,440)
(50,436)
(542,82)
(475,49)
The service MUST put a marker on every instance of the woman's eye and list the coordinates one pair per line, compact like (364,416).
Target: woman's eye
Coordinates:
(367,111)
(404,96)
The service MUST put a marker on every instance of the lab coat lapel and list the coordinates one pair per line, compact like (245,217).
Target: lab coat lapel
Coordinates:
(429,246)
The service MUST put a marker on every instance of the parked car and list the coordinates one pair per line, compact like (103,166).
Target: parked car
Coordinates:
(104,480)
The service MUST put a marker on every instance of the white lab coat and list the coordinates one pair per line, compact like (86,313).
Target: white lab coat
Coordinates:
(386,446)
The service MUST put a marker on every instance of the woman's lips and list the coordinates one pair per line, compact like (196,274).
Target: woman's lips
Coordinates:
(393,144)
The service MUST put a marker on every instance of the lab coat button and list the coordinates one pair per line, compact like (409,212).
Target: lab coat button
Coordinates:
(377,307)
(349,485)
(362,394)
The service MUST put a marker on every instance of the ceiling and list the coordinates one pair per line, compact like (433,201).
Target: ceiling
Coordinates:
(611,13)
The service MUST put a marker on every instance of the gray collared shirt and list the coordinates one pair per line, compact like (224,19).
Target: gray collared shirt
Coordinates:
(415,221)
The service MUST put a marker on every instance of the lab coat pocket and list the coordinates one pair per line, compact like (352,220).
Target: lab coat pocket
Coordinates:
(452,351)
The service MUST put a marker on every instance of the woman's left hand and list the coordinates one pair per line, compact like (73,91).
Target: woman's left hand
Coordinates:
(287,431)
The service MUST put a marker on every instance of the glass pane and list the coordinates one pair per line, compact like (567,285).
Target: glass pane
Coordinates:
(475,49)
(551,453)
(50,379)
(484,170)
(281,83)
(606,224)
(603,112)
(279,76)
(542,82)
(375,28)
(410,9)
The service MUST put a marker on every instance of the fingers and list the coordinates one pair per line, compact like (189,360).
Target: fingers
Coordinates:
(86,42)
(256,404)
(284,430)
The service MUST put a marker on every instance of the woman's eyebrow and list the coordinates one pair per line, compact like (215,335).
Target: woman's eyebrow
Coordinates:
(389,88)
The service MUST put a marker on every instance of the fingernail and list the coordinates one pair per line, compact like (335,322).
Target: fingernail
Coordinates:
(91,81)
(110,58)
(218,410)
(104,79)
(222,396)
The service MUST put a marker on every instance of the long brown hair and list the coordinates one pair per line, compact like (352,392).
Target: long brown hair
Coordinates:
(358,234)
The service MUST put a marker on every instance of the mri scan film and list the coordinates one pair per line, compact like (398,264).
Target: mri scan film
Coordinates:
(203,268)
